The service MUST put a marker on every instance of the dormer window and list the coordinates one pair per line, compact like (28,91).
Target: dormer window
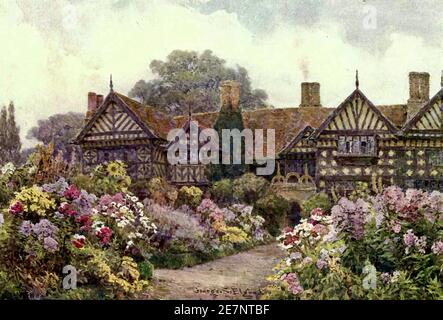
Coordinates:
(356,145)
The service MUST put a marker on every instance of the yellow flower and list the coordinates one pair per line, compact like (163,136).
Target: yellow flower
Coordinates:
(116,169)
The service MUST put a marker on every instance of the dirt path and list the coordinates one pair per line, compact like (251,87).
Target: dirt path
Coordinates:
(235,277)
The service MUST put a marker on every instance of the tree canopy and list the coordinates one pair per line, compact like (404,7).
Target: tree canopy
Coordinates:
(189,79)
(60,129)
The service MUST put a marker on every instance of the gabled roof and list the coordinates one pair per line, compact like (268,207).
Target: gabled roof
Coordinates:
(304,133)
(422,112)
(356,94)
(122,103)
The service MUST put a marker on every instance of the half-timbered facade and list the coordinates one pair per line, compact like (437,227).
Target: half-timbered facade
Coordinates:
(357,141)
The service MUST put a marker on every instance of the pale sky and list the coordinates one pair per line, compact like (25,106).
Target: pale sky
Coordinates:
(54,51)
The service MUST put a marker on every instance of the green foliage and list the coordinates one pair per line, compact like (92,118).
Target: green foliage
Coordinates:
(146,269)
(274,209)
(190,196)
(222,191)
(319,200)
(229,119)
(188,78)
(249,188)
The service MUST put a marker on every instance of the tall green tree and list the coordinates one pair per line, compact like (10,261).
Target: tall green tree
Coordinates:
(229,118)
(189,79)
(14,144)
(10,143)
(3,134)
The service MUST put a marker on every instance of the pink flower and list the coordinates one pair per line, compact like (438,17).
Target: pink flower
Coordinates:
(16,208)
(437,247)
(72,193)
(396,228)
(293,283)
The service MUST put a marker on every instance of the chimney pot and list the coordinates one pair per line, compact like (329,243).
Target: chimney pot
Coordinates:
(310,94)
(230,94)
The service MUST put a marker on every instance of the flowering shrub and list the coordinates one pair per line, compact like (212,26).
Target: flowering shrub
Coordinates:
(222,191)
(160,191)
(190,196)
(188,236)
(108,178)
(31,201)
(46,228)
(318,200)
(274,209)
(249,188)
(387,246)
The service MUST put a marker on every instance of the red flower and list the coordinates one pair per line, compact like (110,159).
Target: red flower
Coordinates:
(85,221)
(67,209)
(290,239)
(72,193)
(79,242)
(104,235)
(16,208)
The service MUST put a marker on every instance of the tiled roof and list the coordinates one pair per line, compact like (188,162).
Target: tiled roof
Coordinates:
(287,122)
(396,113)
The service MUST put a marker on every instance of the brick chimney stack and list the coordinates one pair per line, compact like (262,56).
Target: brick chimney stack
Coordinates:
(310,94)
(418,91)
(99,100)
(230,94)
(92,102)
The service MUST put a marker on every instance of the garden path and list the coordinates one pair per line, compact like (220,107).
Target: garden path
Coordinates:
(239,276)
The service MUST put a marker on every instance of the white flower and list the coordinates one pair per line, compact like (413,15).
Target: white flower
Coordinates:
(8,168)
(2,219)
(134,199)
(140,205)
(32,170)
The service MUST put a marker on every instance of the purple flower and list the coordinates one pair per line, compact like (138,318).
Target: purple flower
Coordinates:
(350,216)
(50,244)
(45,229)
(58,187)
(26,228)
(409,238)
(437,247)
(321,264)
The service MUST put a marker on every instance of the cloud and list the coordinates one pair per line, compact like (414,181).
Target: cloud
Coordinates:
(54,52)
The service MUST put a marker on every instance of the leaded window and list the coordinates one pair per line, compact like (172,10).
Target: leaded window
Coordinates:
(356,145)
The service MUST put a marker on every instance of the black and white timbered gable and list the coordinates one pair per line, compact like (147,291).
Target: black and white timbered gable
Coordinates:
(114,121)
(354,127)
(427,122)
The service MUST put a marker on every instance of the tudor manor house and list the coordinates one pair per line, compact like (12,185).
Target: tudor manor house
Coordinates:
(335,148)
